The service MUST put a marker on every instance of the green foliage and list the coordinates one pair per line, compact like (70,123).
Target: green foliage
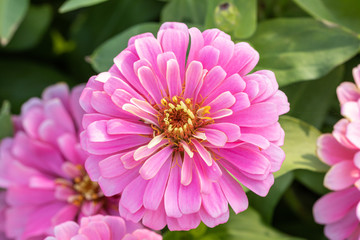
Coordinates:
(344,13)
(301,48)
(247,225)
(102,59)
(36,22)
(312,180)
(311,100)
(236,17)
(11,14)
(188,11)
(300,146)
(6,126)
(71,5)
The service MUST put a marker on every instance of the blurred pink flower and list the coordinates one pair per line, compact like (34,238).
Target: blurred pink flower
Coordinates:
(340,210)
(101,227)
(41,167)
(177,133)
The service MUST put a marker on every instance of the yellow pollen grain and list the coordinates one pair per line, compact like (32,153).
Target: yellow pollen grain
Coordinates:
(174,98)
(178,107)
(163,102)
(181,131)
(183,105)
(170,128)
(190,122)
(172,105)
(190,114)
(185,126)
(187,101)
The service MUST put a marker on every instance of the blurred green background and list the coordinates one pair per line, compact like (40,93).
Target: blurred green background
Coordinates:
(311,45)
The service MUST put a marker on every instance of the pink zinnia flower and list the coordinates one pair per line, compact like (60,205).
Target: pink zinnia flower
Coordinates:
(101,227)
(42,167)
(340,210)
(176,133)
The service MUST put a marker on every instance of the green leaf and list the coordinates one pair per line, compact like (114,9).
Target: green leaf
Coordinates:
(71,5)
(102,58)
(300,147)
(187,11)
(298,49)
(247,225)
(12,12)
(310,101)
(6,125)
(32,29)
(236,17)
(345,12)
(312,180)
(266,206)
(22,79)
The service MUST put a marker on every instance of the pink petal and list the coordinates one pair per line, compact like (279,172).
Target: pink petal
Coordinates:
(212,80)
(226,47)
(353,133)
(205,154)
(148,118)
(171,195)
(244,59)
(134,217)
(66,230)
(215,137)
(145,106)
(189,196)
(205,181)
(193,77)
(341,175)
(173,78)
(224,100)
(132,196)
(116,225)
(331,151)
(347,92)
(112,186)
(255,139)
(155,188)
(241,102)
(150,82)
(335,205)
(186,170)
(344,228)
(189,221)
(67,213)
(234,83)
(356,75)
(153,164)
(129,161)
(210,221)
(197,42)
(214,202)
(231,130)
(339,132)
(208,56)
(234,193)
(351,111)
(112,166)
(145,151)
(155,219)
(19,196)
(119,126)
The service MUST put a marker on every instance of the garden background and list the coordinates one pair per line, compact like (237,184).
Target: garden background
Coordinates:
(311,45)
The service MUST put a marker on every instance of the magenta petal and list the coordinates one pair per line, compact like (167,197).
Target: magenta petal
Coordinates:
(193,77)
(189,196)
(335,205)
(255,139)
(171,195)
(353,133)
(155,188)
(347,91)
(210,221)
(150,82)
(231,130)
(234,193)
(344,228)
(155,219)
(112,166)
(215,137)
(208,56)
(189,221)
(212,80)
(173,78)
(186,170)
(214,202)
(203,152)
(115,185)
(117,226)
(119,126)
(224,100)
(197,42)
(66,230)
(132,196)
(153,164)
(341,175)
(244,59)
(19,196)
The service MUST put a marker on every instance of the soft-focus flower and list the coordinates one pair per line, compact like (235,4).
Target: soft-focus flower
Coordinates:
(175,133)
(3,207)
(101,227)
(42,167)
(340,209)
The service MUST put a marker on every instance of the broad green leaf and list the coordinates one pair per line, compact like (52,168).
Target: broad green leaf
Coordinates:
(32,29)
(298,49)
(312,180)
(247,225)
(22,79)
(102,58)
(187,11)
(299,147)
(310,101)
(341,12)
(6,126)
(266,206)
(236,17)
(71,5)
(12,12)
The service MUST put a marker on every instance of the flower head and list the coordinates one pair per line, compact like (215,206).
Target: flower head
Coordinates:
(175,133)
(101,227)
(339,210)
(42,167)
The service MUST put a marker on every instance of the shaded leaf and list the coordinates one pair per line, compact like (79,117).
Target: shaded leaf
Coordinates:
(266,206)
(300,146)
(187,11)
(21,80)
(32,29)
(344,13)
(298,49)
(311,100)
(6,126)
(312,180)
(71,5)
(236,17)
(102,58)
(12,12)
